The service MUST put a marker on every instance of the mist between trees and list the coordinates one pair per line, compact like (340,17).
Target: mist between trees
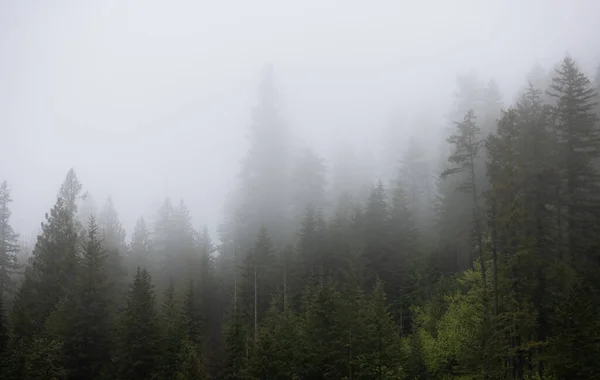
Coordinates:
(478,262)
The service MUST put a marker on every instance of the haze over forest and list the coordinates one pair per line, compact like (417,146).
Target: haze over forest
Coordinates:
(299,190)
(146,99)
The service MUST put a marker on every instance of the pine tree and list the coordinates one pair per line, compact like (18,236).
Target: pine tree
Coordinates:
(235,348)
(193,317)
(139,335)
(578,146)
(263,194)
(380,353)
(275,355)
(54,265)
(466,142)
(189,364)
(9,247)
(86,314)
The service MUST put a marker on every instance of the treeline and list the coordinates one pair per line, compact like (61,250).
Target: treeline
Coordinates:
(489,272)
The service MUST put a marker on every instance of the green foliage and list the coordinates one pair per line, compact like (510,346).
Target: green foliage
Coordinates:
(53,270)
(82,321)
(44,361)
(139,337)
(189,365)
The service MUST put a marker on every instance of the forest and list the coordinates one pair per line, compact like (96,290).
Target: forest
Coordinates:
(479,263)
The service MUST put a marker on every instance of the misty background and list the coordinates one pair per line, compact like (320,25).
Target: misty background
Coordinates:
(148,99)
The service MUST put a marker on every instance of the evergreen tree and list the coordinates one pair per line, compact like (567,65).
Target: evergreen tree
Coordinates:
(139,333)
(264,194)
(86,338)
(466,142)
(9,247)
(235,348)
(578,145)
(195,324)
(189,364)
(54,265)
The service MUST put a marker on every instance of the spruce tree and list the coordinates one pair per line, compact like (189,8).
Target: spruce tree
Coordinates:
(139,334)
(578,146)
(54,264)
(466,143)
(235,348)
(87,335)
(194,323)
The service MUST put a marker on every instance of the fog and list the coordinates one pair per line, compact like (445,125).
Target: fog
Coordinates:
(147,99)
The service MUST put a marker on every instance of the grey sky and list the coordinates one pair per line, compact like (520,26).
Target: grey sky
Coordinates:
(153,98)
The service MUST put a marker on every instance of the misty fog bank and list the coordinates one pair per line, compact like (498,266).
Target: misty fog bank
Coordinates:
(147,99)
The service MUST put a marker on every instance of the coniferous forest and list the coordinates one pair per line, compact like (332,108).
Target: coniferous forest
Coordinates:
(480,263)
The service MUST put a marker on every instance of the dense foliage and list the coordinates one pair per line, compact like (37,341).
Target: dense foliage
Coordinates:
(489,273)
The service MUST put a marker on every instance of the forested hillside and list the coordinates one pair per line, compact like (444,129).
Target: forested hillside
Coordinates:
(479,262)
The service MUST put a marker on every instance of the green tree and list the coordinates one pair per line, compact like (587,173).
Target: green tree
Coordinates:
(466,142)
(53,267)
(86,334)
(139,334)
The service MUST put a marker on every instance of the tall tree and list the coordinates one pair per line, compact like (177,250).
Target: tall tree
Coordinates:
(467,142)
(54,264)
(578,146)
(85,314)
(264,193)
(139,334)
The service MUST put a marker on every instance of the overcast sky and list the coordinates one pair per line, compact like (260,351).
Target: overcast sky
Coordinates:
(153,98)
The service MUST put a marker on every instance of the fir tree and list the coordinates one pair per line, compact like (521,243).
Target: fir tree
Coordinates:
(139,333)
(54,265)
(578,146)
(466,142)
(195,324)
(87,323)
